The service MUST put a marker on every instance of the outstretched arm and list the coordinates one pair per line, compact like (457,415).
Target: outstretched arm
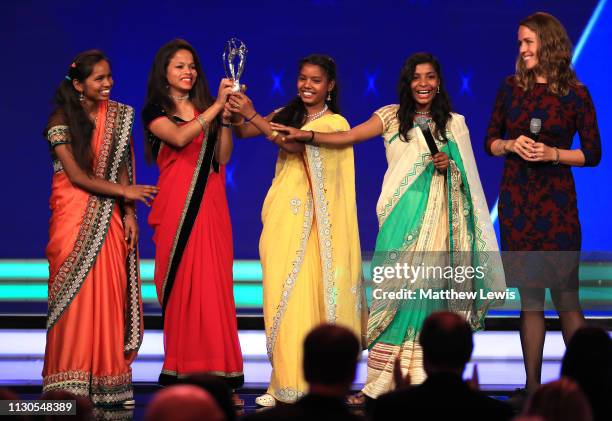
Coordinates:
(366,130)
(247,121)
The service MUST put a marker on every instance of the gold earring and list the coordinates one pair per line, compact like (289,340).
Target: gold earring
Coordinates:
(81,97)
(438,89)
(328,96)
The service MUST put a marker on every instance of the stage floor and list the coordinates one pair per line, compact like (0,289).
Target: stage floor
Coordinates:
(497,355)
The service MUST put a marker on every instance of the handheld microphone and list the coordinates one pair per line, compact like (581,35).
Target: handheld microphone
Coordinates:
(423,124)
(535,126)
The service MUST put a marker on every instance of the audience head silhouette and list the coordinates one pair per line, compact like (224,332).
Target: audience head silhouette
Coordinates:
(561,400)
(183,403)
(217,388)
(588,361)
(446,339)
(331,353)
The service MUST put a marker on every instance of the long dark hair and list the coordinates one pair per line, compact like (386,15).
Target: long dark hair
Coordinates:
(69,111)
(294,113)
(157,86)
(440,106)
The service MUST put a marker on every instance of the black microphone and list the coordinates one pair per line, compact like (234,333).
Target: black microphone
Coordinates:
(535,126)
(423,123)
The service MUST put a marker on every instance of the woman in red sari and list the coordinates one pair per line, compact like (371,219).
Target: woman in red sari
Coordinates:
(94,328)
(193,236)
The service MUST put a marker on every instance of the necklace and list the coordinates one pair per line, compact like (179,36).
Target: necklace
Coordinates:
(423,112)
(317,115)
(179,98)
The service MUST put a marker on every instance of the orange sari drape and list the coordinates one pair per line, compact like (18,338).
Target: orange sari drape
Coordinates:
(95,317)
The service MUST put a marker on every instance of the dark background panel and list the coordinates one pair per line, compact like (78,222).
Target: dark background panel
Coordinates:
(474,40)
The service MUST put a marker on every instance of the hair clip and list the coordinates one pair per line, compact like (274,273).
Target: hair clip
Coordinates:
(73,65)
(68,78)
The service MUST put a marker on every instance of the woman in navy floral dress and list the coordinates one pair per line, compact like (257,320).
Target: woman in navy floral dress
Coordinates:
(537,202)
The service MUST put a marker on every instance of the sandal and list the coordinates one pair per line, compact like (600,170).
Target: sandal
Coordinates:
(266,400)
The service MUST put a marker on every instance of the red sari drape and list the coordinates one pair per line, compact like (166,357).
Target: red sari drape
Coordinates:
(95,319)
(200,328)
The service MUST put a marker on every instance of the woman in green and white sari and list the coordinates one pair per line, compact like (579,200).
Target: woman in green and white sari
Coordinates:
(433,222)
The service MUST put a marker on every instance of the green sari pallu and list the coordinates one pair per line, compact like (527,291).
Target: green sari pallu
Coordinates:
(435,251)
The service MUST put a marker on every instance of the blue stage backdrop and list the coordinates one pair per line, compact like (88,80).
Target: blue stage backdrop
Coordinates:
(475,41)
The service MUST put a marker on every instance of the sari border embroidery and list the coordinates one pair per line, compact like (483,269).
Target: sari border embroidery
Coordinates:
(211,372)
(317,168)
(291,278)
(134,328)
(295,204)
(59,135)
(288,394)
(196,191)
(381,361)
(96,220)
(103,390)
(194,178)
(453,200)
(418,166)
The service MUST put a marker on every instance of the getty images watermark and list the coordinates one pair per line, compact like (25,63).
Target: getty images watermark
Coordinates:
(434,277)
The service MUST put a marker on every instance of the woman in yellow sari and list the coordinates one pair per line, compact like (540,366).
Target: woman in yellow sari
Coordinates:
(309,245)
(433,217)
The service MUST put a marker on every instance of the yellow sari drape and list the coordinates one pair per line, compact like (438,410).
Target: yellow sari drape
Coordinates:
(310,254)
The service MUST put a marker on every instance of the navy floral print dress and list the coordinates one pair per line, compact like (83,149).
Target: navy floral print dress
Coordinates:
(537,202)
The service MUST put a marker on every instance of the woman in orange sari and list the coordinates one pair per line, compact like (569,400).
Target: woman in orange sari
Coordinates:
(193,234)
(94,326)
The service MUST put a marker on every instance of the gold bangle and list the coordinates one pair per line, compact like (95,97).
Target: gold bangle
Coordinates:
(556,161)
(203,122)
(272,135)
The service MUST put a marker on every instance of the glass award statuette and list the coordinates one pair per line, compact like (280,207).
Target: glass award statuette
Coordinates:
(234,57)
